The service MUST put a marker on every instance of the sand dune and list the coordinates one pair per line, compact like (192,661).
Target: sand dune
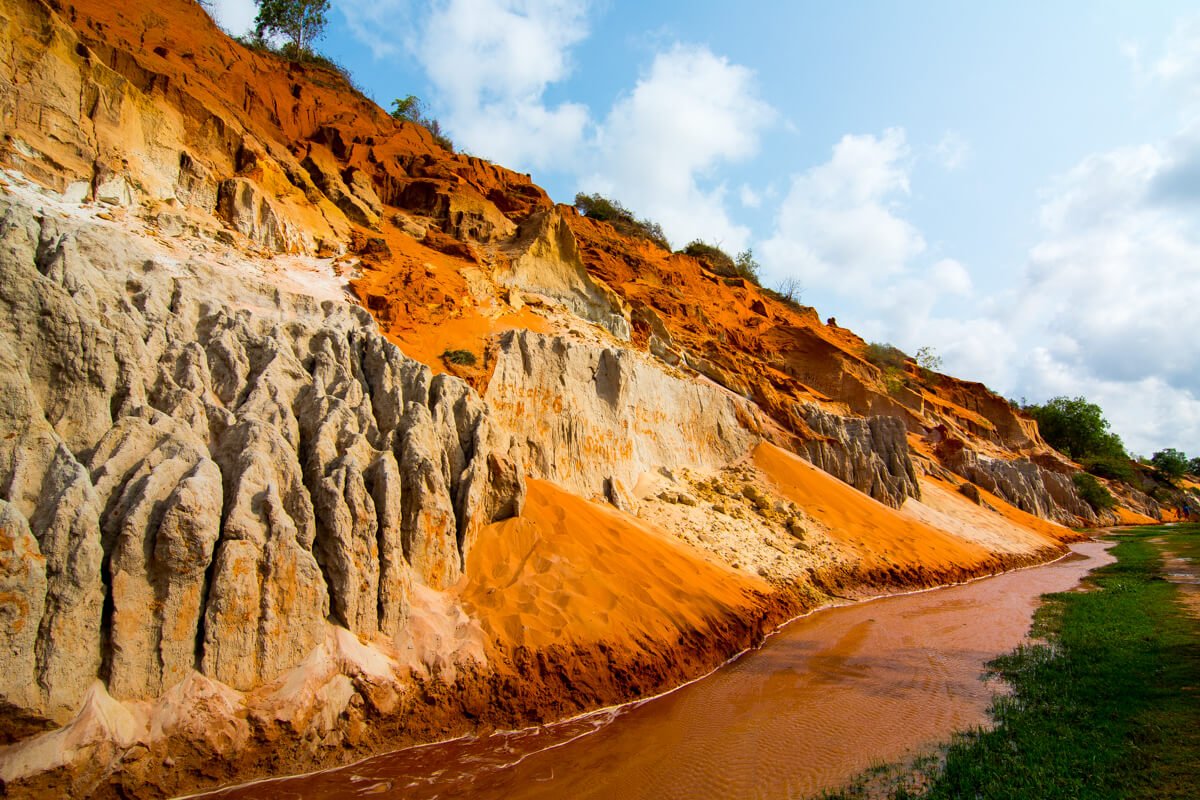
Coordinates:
(568,570)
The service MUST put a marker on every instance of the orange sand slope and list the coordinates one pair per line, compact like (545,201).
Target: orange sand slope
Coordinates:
(877,534)
(571,570)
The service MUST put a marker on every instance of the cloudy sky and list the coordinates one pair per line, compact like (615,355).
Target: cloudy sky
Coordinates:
(1014,184)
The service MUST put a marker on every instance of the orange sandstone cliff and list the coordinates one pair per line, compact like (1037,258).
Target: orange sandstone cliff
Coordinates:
(253,519)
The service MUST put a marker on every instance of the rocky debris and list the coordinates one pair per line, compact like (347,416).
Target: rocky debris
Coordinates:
(584,415)
(544,258)
(869,453)
(199,473)
(734,514)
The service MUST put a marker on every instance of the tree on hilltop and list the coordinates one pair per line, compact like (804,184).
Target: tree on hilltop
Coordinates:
(300,22)
(1076,427)
(1170,462)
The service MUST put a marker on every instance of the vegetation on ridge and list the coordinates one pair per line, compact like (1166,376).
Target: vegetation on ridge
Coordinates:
(598,207)
(1076,428)
(300,22)
(411,109)
(463,358)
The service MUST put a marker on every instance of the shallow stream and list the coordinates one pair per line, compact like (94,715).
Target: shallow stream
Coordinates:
(824,698)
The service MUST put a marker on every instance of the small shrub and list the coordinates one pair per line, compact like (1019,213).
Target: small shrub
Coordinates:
(895,379)
(598,207)
(884,355)
(790,291)
(411,109)
(928,359)
(746,266)
(461,357)
(1093,492)
(712,257)
(789,299)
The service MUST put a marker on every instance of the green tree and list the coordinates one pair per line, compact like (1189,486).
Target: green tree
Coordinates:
(1170,462)
(928,359)
(408,108)
(1076,427)
(746,265)
(411,109)
(1194,466)
(1093,492)
(300,22)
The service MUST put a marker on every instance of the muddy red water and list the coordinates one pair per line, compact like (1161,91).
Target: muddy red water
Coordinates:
(820,701)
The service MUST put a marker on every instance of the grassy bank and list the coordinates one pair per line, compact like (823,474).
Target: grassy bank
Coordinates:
(1108,706)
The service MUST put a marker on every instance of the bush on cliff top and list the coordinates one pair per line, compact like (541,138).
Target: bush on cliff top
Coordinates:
(411,109)
(598,207)
(300,22)
(884,355)
(718,261)
(1171,463)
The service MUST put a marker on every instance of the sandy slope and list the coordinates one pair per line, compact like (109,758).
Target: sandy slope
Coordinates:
(568,570)
(942,535)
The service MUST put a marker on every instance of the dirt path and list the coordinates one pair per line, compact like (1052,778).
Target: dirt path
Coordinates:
(1184,573)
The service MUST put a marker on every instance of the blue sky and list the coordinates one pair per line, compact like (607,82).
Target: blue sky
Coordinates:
(1014,184)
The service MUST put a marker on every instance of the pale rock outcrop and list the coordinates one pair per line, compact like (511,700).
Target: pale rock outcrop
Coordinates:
(200,473)
(1028,486)
(360,204)
(248,211)
(22,602)
(585,416)
(163,513)
(544,259)
(869,453)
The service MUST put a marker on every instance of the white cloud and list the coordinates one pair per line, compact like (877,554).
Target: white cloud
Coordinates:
(382,25)
(1180,62)
(749,197)
(658,146)
(1110,290)
(839,225)
(657,149)
(491,62)
(235,16)
(951,277)
(952,150)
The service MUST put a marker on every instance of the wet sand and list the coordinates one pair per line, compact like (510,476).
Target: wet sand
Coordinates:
(826,697)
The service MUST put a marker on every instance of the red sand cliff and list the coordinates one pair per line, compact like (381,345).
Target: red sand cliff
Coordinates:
(578,601)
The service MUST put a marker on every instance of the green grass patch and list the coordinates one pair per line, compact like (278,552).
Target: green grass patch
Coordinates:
(463,358)
(1106,706)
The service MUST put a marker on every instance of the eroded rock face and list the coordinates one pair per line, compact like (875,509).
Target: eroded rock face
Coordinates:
(1025,484)
(589,417)
(200,473)
(546,260)
(869,453)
